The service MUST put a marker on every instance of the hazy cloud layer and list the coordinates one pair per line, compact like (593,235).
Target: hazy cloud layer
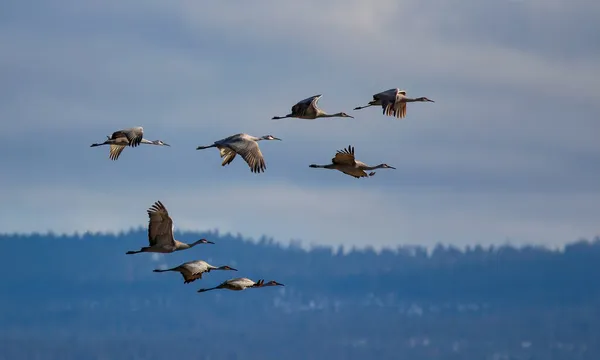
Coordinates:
(508,151)
(319,215)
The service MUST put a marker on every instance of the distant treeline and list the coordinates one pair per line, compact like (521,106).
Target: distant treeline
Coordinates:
(502,274)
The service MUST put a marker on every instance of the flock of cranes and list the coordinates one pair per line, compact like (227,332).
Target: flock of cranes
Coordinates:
(161,239)
(160,226)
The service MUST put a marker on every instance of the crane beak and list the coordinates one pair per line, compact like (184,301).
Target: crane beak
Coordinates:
(391,167)
(274,138)
(430,100)
(165,144)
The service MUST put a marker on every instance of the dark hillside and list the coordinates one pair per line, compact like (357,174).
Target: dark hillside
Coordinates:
(75,296)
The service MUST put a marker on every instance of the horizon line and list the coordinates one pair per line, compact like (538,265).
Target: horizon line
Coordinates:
(300,244)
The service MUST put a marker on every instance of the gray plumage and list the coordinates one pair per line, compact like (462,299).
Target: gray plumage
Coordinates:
(393,102)
(160,233)
(246,146)
(345,162)
(239,284)
(193,270)
(308,109)
(127,137)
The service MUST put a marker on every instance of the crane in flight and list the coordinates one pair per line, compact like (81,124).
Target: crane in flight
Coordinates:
(246,146)
(160,233)
(239,284)
(393,102)
(308,109)
(345,162)
(193,270)
(126,137)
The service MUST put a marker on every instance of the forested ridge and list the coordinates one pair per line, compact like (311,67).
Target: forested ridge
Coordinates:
(81,297)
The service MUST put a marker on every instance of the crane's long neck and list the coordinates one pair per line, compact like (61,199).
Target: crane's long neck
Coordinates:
(325,115)
(407,99)
(182,246)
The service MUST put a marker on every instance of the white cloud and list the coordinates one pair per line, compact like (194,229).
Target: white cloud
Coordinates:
(398,37)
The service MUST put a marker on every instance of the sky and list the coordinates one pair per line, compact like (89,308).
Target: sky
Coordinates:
(508,153)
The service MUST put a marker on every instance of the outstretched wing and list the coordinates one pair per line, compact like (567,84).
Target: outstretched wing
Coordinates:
(192,271)
(355,172)
(160,226)
(227,154)
(344,156)
(400,110)
(391,102)
(134,135)
(190,277)
(250,152)
(240,283)
(397,109)
(227,140)
(388,94)
(115,151)
(307,106)
(400,105)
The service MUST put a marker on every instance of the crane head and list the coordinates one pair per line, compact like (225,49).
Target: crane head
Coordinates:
(273,283)
(386,166)
(270,137)
(203,241)
(423,98)
(343,114)
(160,142)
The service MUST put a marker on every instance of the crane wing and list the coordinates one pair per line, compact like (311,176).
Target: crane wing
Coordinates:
(355,172)
(189,277)
(115,151)
(134,135)
(310,100)
(229,139)
(307,106)
(394,106)
(192,271)
(160,226)
(400,105)
(250,152)
(227,154)
(240,282)
(389,94)
(400,109)
(344,156)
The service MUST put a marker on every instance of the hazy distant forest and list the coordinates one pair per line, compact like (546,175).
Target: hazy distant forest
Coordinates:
(81,297)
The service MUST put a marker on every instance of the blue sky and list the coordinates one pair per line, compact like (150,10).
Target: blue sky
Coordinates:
(508,152)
